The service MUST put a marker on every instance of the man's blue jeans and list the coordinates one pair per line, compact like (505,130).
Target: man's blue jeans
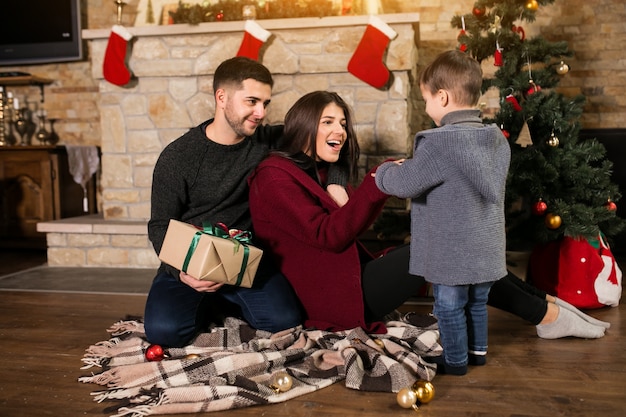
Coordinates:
(175,313)
(461,312)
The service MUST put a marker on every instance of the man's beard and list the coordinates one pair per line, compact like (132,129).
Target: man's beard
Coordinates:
(238,125)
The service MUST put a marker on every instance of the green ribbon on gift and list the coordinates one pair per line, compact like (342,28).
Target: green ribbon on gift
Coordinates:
(240,237)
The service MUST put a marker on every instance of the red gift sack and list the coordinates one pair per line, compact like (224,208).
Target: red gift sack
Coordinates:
(580,271)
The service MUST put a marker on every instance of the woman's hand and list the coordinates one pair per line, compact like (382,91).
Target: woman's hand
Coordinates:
(395,161)
(199,284)
(338,194)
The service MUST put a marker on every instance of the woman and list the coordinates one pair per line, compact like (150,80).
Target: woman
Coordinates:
(313,239)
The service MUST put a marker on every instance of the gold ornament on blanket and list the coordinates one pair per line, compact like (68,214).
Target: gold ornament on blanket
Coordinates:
(281,382)
(421,392)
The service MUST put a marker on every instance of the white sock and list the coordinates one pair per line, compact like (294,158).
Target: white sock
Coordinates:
(580,314)
(569,324)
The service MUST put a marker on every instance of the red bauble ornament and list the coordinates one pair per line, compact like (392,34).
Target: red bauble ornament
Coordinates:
(539,208)
(479,11)
(462,47)
(155,353)
(506,133)
(220,16)
(533,88)
(610,206)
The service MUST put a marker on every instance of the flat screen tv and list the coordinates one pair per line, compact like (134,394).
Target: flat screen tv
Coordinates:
(40,31)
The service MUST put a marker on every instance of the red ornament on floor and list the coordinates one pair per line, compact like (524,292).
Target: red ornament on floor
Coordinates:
(155,353)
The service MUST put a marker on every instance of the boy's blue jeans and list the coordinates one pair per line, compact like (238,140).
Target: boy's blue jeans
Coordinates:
(461,312)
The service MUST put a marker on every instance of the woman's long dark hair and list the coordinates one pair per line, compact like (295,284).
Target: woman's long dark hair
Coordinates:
(300,133)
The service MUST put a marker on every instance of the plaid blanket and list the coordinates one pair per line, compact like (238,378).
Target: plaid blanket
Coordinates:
(232,366)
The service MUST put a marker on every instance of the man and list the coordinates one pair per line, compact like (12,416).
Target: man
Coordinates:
(201,177)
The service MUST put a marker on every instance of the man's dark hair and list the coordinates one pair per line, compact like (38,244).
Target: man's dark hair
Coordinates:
(235,70)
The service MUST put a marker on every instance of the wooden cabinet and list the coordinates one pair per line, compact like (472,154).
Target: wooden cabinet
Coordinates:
(36,185)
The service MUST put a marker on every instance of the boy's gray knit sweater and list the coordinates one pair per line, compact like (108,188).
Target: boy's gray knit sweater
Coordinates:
(456,181)
(197,180)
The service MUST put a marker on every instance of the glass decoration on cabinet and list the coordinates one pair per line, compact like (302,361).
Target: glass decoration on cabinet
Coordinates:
(21,125)
(53,138)
(42,134)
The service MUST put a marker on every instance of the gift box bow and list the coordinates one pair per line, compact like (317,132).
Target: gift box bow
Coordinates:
(240,238)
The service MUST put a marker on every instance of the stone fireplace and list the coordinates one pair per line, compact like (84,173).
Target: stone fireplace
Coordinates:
(173,66)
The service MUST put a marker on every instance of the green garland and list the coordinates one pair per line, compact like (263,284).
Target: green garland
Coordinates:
(228,10)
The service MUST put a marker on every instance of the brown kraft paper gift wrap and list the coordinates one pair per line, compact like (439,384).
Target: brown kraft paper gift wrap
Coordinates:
(214,258)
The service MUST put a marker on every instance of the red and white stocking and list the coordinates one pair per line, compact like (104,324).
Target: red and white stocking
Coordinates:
(367,61)
(115,68)
(254,37)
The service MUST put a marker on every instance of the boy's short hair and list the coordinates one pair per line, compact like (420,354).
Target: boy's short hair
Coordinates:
(234,71)
(456,72)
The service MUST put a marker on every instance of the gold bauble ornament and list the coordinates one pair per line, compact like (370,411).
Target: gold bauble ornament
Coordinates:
(406,398)
(532,5)
(553,221)
(562,69)
(421,392)
(424,390)
(553,141)
(281,382)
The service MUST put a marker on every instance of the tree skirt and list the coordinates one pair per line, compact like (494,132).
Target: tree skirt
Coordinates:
(233,366)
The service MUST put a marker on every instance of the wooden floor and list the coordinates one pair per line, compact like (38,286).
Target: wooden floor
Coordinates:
(43,335)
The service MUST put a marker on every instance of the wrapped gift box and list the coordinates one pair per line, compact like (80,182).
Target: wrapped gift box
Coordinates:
(209,257)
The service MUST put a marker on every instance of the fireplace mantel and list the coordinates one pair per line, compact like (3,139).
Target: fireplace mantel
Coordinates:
(268,24)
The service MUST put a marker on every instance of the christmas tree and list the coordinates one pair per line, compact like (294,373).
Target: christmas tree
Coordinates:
(558,184)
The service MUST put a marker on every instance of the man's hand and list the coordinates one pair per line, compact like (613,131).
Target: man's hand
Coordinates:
(199,284)
(338,194)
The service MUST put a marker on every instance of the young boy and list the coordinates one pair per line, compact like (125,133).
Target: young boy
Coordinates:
(456,181)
